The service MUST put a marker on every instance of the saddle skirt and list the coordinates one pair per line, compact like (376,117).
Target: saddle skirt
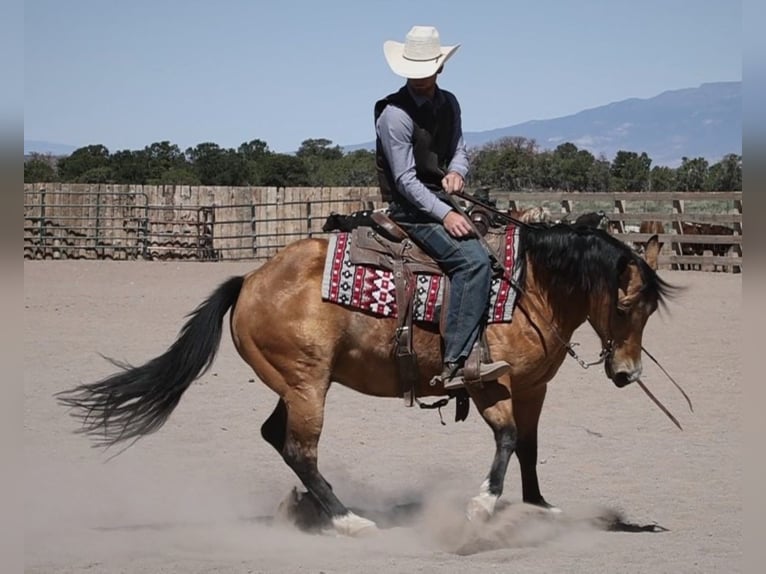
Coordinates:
(358,273)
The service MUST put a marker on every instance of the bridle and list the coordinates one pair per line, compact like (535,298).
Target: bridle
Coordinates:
(607,343)
(607,349)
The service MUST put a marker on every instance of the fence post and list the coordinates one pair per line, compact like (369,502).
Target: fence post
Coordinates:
(619,207)
(42,225)
(566,208)
(678,208)
(737,247)
(253,229)
(98,221)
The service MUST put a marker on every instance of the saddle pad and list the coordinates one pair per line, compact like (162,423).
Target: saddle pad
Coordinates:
(372,289)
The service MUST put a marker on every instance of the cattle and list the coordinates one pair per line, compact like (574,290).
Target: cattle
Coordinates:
(340,222)
(531,215)
(594,219)
(693,228)
(719,249)
(653,227)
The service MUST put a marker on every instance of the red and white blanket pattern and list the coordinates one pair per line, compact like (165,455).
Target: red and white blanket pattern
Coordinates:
(372,289)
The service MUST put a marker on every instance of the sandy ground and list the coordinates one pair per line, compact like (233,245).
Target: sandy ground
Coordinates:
(199,495)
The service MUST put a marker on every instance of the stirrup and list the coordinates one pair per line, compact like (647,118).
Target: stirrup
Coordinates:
(451,378)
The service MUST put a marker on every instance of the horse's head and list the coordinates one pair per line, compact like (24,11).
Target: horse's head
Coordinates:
(619,320)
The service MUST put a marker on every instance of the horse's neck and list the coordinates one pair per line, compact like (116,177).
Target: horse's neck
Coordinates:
(550,297)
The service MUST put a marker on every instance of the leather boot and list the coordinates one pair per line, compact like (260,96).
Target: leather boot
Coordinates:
(479,367)
(454,377)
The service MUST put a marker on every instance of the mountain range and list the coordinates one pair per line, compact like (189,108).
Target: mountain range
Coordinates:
(705,121)
(43,147)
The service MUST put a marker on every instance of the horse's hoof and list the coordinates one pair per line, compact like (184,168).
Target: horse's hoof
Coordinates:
(286,508)
(481,507)
(548,509)
(545,506)
(353,525)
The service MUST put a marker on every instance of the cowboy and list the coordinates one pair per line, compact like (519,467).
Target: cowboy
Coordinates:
(421,157)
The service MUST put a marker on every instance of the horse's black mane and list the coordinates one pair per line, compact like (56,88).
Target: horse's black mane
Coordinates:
(585,259)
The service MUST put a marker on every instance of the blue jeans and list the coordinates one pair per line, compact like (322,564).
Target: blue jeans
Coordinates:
(469,268)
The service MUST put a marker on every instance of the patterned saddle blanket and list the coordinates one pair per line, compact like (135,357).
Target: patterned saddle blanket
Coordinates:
(371,288)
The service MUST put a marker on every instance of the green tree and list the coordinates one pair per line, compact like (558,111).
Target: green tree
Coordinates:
(692,174)
(82,160)
(253,150)
(162,157)
(599,175)
(214,165)
(357,169)
(630,171)
(571,167)
(662,178)
(101,174)
(129,167)
(283,170)
(508,163)
(726,175)
(542,171)
(38,169)
(177,176)
(322,161)
(319,148)
(207,161)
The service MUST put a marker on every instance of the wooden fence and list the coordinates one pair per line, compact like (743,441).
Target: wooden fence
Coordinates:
(674,209)
(65,221)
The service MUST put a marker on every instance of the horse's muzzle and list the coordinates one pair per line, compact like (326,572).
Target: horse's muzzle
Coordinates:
(622,377)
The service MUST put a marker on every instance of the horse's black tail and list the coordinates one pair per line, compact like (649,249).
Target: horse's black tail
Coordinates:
(138,400)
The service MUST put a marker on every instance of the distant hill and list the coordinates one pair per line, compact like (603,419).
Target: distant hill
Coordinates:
(43,147)
(694,122)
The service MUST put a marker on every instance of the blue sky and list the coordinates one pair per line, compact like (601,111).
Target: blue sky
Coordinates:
(129,73)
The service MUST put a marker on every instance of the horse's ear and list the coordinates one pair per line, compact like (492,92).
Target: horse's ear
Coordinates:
(652,251)
(629,285)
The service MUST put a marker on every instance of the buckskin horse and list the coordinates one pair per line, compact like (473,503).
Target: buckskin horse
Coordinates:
(297,344)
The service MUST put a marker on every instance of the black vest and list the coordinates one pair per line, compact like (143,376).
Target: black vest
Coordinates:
(432,139)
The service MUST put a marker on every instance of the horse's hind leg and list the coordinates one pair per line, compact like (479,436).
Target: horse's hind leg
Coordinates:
(293,429)
(274,428)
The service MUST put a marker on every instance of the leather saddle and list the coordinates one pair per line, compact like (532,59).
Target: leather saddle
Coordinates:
(386,245)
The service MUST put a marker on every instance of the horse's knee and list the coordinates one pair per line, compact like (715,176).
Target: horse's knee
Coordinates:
(507,438)
(505,443)
(274,429)
(526,445)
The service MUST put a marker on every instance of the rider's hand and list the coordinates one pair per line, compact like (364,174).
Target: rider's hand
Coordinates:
(457,225)
(453,182)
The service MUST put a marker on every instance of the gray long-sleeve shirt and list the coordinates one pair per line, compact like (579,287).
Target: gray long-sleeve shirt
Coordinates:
(394,128)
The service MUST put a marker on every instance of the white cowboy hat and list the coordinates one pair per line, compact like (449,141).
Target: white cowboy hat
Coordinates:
(420,56)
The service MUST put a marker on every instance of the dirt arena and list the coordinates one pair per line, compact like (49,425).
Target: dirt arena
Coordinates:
(200,495)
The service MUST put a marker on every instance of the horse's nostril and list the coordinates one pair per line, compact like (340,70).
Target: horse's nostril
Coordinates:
(621,379)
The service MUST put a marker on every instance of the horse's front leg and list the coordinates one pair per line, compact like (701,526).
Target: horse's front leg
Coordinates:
(494,403)
(527,408)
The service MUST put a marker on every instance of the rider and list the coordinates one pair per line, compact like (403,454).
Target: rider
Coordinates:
(421,158)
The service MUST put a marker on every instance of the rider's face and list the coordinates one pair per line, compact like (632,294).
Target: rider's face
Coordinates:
(423,86)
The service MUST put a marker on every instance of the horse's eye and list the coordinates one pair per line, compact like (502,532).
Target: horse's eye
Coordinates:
(622,311)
